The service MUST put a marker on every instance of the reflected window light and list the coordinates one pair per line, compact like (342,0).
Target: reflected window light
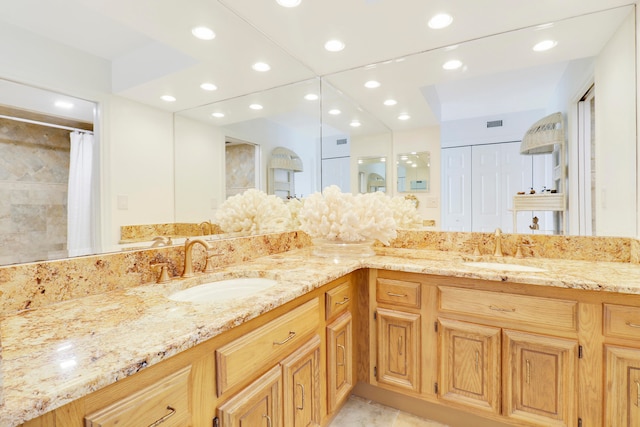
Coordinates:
(68,364)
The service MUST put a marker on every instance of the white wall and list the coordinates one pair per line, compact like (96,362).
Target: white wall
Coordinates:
(616,149)
(140,166)
(199,170)
(423,139)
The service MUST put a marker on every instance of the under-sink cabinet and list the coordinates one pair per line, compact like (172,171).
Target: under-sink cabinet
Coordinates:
(290,367)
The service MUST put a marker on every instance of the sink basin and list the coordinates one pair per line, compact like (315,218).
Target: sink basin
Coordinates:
(223,290)
(504,267)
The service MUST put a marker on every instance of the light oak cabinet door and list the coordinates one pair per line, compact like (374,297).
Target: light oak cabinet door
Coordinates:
(398,352)
(469,364)
(540,379)
(339,360)
(257,405)
(622,387)
(301,386)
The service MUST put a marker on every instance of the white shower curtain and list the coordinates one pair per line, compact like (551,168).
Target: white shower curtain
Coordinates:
(80,215)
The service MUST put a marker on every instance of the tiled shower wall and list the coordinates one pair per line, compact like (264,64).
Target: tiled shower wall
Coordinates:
(34,174)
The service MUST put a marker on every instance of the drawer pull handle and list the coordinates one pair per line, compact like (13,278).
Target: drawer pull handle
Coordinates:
(633,325)
(400,345)
(171,413)
(341,347)
(507,310)
(637,393)
(292,334)
(344,301)
(528,372)
(268,420)
(391,294)
(301,408)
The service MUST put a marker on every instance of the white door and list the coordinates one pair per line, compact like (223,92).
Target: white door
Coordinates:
(516,174)
(456,189)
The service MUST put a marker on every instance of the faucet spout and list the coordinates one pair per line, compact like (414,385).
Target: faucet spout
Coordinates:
(498,236)
(188,255)
(206,225)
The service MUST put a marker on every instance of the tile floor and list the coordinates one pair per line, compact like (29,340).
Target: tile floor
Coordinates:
(359,412)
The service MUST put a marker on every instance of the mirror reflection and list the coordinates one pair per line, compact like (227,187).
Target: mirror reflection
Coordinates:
(372,174)
(413,172)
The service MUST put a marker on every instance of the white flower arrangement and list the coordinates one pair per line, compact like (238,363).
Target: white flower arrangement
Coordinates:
(294,206)
(334,215)
(253,211)
(405,212)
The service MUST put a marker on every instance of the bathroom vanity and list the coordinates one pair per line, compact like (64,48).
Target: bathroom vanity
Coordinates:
(542,342)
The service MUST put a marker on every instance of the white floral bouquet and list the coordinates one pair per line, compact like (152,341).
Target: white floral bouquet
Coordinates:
(333,215)
(253,211)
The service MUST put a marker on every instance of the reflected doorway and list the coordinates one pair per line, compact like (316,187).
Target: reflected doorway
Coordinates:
(586,163)
(242,163)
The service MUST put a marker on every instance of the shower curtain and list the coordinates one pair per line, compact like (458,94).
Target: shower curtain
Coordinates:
(80,215)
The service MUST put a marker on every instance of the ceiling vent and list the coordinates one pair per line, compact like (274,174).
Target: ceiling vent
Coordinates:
(494,124)
(341,141)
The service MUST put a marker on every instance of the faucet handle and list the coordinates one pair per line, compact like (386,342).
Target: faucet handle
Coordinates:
(164,272)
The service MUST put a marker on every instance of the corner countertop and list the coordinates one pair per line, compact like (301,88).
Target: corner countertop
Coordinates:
(59,353)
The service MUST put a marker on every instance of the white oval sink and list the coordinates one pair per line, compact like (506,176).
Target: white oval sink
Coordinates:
(223,290)
(504,267)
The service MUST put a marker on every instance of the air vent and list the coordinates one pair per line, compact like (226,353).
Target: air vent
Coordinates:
(341,141)
(494,124)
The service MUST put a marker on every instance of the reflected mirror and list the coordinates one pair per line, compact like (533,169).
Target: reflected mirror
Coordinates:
(372,174)
(413,170)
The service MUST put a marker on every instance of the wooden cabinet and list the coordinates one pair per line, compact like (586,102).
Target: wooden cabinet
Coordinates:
(259,404)
(622,386)
(301,386)
(165,402)
(540,379)
(339,360)
(398,335)
(470,364)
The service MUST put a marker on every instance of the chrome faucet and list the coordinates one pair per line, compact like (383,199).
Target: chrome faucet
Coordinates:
(188,256)
(498,236)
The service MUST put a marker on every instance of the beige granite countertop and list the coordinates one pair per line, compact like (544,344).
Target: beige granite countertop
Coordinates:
(61,352)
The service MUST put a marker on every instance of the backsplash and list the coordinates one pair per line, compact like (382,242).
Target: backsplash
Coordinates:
(147,232)
(33,285)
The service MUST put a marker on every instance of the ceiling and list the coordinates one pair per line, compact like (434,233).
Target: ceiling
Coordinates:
(152,52)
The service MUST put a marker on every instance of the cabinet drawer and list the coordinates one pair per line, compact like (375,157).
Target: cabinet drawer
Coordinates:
(622,321)
(398,292)
(165,402)
(267,344)
(556,313)
(337,299)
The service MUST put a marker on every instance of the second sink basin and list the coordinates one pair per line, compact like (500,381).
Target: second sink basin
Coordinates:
(504,267)
(223,290)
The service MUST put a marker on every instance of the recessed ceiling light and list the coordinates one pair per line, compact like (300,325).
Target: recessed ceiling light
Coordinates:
(334,112)
(64,104)
(414,165)
(255,106)
(383,159)
(218,115)
(203,33)
(168,98)
(311,97)
(404,117)
(334,45)
(354,124)
(372,84)
(545,45)
(261,66)
(441,20)
(208,86)
(390,102)
(360,161)
(288,3)
(454,64)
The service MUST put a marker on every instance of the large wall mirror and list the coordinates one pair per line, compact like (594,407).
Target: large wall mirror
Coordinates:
(500,77)
(413,172)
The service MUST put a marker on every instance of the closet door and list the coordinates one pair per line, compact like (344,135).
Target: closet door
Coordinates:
(456,189)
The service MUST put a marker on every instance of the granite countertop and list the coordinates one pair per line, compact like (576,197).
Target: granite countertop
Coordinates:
(59,353)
